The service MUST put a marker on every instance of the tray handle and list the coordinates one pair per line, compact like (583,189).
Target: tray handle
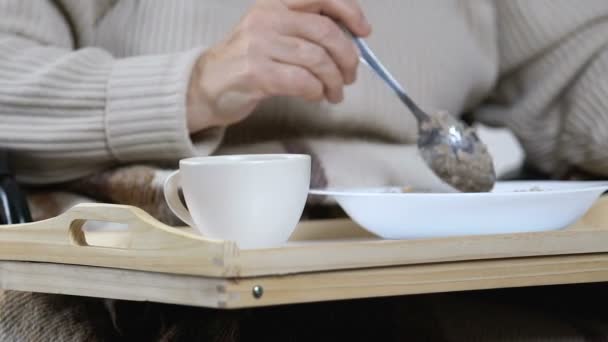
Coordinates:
(145,232)
(137,220)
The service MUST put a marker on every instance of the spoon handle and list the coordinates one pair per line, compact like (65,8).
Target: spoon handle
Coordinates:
(368,58)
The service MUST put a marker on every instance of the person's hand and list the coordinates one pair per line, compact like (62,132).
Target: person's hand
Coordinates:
(280,48)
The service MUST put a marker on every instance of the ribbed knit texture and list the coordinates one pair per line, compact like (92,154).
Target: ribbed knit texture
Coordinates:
(87,84)
(553,92)
(70,105)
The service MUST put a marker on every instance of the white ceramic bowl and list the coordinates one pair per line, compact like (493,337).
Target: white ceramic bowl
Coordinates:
(511,207)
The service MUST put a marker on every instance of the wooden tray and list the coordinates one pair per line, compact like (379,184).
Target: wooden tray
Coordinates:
(325,260)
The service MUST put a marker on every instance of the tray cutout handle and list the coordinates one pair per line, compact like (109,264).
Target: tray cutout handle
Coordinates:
(133,218)
(147,244)
(81,235)
(143,231)
(76,233)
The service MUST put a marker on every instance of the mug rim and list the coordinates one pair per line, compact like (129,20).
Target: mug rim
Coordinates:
(232,159)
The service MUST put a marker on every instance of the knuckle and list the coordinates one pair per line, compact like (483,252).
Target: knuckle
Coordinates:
(343,5)
(313,54)
(318,92)
(351,7)
(311,90)
(352,60)
(327,29)
(336,80)
(301,83)
(295,76)
(315,91)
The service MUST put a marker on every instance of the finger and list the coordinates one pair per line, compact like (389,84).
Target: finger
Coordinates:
(279,79)
(314,58)
(348,12)
(324,32)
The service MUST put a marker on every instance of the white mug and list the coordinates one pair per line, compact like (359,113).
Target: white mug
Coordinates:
(254,200)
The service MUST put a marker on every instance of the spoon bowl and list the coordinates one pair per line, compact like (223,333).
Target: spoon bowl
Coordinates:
(455,153)
(452,151)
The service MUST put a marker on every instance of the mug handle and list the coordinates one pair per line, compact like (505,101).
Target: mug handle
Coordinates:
(170,190)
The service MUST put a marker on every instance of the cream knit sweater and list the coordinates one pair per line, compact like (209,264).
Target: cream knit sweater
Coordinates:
(88,84)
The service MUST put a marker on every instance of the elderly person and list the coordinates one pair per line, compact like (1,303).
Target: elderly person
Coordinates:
(89,85)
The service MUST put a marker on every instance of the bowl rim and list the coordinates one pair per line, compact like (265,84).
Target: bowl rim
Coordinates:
(585,186)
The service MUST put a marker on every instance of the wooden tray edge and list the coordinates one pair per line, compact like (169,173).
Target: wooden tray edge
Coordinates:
(227,293)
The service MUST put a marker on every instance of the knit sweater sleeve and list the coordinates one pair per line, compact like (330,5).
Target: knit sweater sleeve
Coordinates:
(66,112)
(553,89)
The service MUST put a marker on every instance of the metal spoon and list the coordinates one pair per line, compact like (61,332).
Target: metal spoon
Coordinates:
(451,150)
